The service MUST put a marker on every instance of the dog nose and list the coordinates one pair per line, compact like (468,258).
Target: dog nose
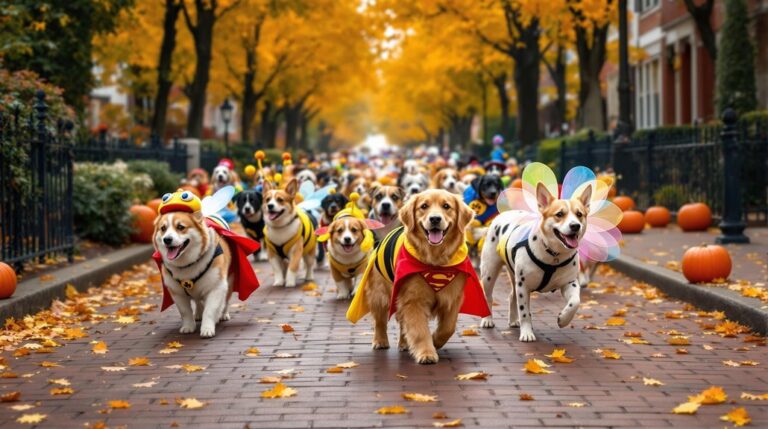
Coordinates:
(386,206)
(414,190)
(347,240)
(167,241)
(270,206)
(435,220)
(575,227)
(451,184)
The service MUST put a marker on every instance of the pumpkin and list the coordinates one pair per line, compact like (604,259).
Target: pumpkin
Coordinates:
(625,203)
(657,216)
(703,264)
(7,281)
(143,223)
(694,217)
(517,183)
(154,204)
(632,222)
(192,189)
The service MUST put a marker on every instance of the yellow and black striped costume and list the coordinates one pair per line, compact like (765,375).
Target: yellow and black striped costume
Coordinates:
(306,234)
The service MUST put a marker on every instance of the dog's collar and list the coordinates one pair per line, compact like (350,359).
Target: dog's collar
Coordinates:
(188,285)
(548,269)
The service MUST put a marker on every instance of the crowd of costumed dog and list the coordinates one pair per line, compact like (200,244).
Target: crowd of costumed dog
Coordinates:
(417,235)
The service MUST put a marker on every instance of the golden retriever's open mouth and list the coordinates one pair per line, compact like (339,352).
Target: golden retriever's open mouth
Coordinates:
(570,241)
(272,215)
(435,236)
(173,252)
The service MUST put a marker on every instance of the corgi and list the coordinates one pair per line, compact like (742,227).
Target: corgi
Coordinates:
(289,236)
(345,252)
(546,261)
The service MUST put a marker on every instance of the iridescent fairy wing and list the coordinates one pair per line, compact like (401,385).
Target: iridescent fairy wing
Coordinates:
(213,203)
(533,174)
(306,189)
(601,240)
(312,201)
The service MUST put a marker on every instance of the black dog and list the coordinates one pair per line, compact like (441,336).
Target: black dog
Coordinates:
(485,189)
(249,210)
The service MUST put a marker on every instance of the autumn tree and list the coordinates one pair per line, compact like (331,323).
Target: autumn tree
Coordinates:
(736,63)
(164,66)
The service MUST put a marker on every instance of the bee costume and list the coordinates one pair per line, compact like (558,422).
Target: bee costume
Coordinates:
(305,235)
(396,259)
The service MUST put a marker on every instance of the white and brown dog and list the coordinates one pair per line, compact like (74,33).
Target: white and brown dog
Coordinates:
(448,179)
(386,201)
(546,261)
(290,234)
(414,183)
(348,249)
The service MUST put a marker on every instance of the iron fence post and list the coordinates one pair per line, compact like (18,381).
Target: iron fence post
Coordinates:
(650,167)
(590,145)
(42,200)
(732,224)
(68,145)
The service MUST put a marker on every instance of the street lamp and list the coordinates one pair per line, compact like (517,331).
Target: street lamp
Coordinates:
(226,116)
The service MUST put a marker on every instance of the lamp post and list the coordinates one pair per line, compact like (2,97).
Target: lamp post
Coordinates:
(226,116)
(625,125)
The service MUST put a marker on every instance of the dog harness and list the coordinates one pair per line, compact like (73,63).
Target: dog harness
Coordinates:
(188,285)
(396,259)
(306,234)
(347,270)
(548,269)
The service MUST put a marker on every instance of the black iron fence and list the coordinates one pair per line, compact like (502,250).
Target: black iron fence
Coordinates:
(105,148)
(673,166)
(36,165)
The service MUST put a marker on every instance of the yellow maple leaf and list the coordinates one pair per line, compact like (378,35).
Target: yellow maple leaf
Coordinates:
(174,345)
(478,375)
(113,368)
(309,287)
(190,403)
(469,333)
(31,418)
(753,397)
(536,366)
(711,396)
(577,404)
(270,379)
(139,361)
(749,363)
(620,312)
(125,320)
(296,308)
(397,409)
(636,341)
(652,382)
(451,424)
(48,364)
(418,397)
(615,321)
(679,340)
(252,352)
(686,408)
(100,348)
(279,391)
(10,396)
(738,416)
(334,370)
(22,407)
(558,355)
(350,364)
(62,391)
(610,354)
(119,405)
(71,292)
(287,328)
(167,351)
(731,363)
(192,368)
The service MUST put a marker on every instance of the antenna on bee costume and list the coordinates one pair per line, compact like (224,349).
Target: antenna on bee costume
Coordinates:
(601,238)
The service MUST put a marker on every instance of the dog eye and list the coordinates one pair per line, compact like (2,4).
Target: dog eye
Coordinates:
(280,200)
(379,197)
(180,227)
(424,206)
(395,197)
(579,215)
(446,206)
(163,228)
(353,230)
(559,214)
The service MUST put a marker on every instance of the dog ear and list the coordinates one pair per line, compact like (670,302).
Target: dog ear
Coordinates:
(465,214)
(476,184)
(543,197)
(266,186)
(407,213)
(373,189)
(586,196)
(292,187)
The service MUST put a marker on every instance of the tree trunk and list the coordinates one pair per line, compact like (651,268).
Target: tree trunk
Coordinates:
(292,113)
(591,55)
(268,125)
(164,83)
(500,83)
(203,37)
(249,96)
(527,61)
(557,73)
(325,136)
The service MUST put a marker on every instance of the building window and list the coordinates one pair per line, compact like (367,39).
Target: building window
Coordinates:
(648,94)
(645,5)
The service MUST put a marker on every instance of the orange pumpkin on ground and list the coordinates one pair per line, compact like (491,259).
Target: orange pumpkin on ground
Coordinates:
(658,216)
(705,263)
(143,223)
(625,203)
(632,222)
(154,204)
(694,217)
(7,280)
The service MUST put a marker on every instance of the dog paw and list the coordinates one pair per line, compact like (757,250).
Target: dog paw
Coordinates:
(380,345)
(290,283)
(427,358)
(278,283)
(342,295)
(487,322)
(225,317)
(262,257)
(527,336)
(187,328)
(207,331)
(514,324)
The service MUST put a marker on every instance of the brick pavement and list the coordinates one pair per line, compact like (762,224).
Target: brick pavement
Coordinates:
(612,390)
(658,246)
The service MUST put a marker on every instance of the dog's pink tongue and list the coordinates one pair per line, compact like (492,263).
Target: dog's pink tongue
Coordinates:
(435,236)
(571,241)
(173,252)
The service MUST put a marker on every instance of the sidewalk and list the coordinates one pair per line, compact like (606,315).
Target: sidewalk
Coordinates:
(664,247)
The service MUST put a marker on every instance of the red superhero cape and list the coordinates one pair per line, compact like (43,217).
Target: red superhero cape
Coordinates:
(438,277)
(244,276)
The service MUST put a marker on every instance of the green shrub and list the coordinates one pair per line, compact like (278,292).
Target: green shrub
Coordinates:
(102,195)
(549,152)
(670,196)
(163,179)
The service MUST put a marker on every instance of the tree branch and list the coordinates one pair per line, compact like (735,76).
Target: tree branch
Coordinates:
(192,27)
